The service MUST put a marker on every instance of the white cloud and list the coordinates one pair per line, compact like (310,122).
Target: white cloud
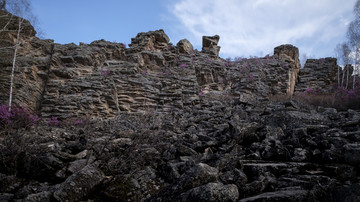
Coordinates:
(253,27)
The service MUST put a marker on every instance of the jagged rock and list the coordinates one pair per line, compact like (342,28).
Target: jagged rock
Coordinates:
(197,176)
(290,53)
(6,197)
(317,75)
(351,153)
(288,195)
(212,192)
(149,41)
(299,154)
(39,197)
(346,193)
(209,45)
(185,46)
(80,184)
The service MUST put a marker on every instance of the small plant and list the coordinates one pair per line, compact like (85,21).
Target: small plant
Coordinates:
(228,62)
(5,116)
(183,65)
(202,93)
(105,72)
(311,91)
(123,45)
(78,122)
(53,121)
(18,117)
(251,78)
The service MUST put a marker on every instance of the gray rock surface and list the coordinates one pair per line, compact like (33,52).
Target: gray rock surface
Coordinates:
(80,184)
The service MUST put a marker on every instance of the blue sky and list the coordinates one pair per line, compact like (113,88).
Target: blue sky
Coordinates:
(246,27)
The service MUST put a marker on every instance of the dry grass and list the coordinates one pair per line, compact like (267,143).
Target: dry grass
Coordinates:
(319,99)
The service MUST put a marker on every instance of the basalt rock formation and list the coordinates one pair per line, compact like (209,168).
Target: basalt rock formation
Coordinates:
(168,123)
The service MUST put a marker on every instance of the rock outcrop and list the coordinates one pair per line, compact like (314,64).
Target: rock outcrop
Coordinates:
(209,45)
(318,74)
(157,122)
(290,54)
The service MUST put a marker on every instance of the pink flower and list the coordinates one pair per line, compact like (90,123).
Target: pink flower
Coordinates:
(183,65)
(105,72)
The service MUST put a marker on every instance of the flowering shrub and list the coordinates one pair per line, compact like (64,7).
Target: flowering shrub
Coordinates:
(251,78)
(311,91)
(144,73)
(5,115)
(341,98)
(18,117)
(349,98)
(105,72)
(228,62)
(53,121)
(183,65)
(202,93)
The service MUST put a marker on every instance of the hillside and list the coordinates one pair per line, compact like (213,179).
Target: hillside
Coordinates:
(155,121)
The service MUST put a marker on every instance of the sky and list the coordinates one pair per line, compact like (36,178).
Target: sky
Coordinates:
(246,27)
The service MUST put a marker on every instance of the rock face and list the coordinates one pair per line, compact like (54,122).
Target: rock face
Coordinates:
(290,54)
(157,122)
(209,45)
(318,74)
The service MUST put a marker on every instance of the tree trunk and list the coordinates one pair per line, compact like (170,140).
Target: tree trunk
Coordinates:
(14,61)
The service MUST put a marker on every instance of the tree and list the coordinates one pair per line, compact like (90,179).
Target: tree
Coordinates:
(21,8)
(14,62)
(349,52)
(304,57)
(343,54)
(338,53)
(353,35)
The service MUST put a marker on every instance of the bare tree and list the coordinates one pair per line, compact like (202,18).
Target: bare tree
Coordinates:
(345,52)
(304,57)
(353,35)
(21,8)
(338,53)
(21,20)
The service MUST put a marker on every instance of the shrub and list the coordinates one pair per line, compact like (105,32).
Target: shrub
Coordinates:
(105,72)
(183,65)
(53,121)
(341,98)
(18,117)
(349,98)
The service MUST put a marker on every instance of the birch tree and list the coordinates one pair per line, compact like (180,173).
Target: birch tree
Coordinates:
(21,8)
(21,20)
(353,35)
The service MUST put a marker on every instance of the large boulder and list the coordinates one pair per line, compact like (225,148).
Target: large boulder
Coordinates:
(185,46)
(80,184)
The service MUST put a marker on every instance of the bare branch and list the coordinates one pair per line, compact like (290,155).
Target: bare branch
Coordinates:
(7,24)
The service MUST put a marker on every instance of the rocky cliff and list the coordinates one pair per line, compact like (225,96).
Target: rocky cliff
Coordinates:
(165,122)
